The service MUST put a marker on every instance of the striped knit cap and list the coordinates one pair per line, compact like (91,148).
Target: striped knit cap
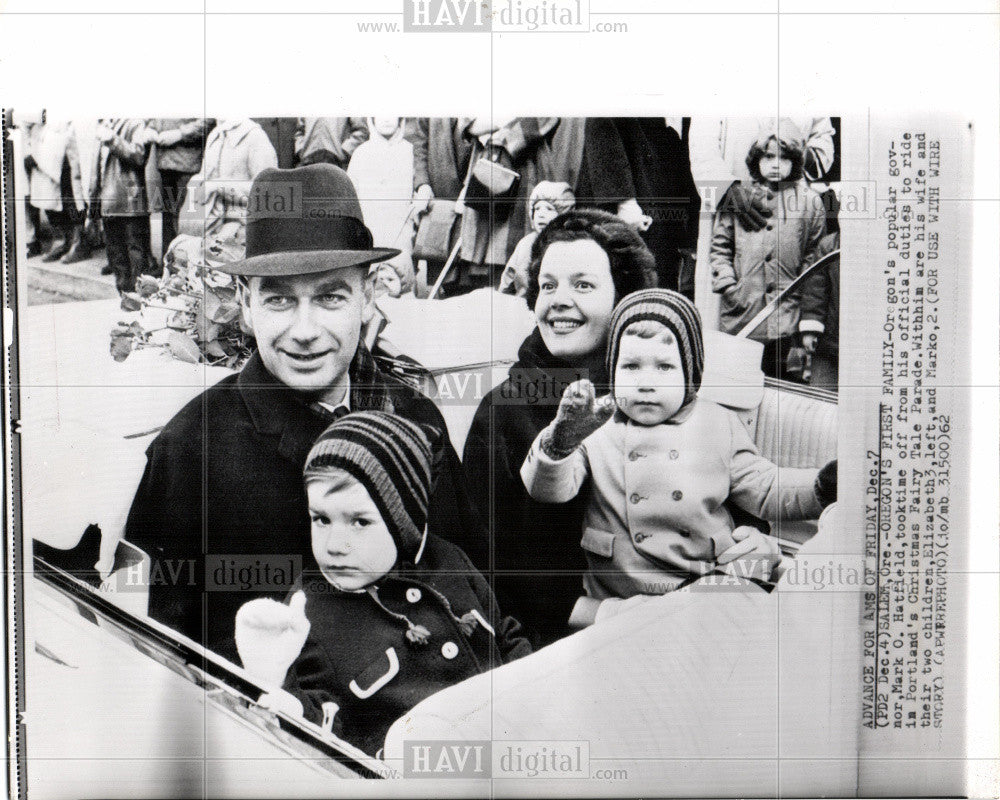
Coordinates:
(678,314)
(391,457)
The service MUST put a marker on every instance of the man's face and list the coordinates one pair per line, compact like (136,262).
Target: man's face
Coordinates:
(308,326)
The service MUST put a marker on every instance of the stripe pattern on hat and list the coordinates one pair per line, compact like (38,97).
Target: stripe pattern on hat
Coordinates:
(391,457)
(679,315)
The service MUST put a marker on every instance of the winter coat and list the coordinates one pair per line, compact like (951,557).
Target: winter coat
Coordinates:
(119,176)
(382,173)
(750,268)
(492,226)
(330,140)
(537,559)
(645,159)
(655,513)
(235,153)
(224,478)
(48,146)
(821,301)
(185,156)
(359,671)
(440,154)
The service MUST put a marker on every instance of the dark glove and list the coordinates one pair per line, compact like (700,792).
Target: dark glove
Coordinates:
(826,484)
(580,413)
(749,206)
(30,163)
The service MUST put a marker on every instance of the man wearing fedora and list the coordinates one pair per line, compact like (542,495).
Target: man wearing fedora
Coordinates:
(221,510)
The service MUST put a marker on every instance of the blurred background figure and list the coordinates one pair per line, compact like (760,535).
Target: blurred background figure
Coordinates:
(118,195)
(440,164)
(548,200)
(54,190)
(235,151)
(328,140)
(30,126)
(180,145)
(381,170)
(639,169)
(281,133)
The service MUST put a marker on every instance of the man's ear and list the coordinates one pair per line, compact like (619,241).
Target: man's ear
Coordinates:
(368,293)
(243,297)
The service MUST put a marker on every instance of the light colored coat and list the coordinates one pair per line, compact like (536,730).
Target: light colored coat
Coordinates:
(235,152)
(655,512)
(758,265)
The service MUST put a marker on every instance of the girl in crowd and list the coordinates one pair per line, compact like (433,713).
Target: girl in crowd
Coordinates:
(750,268)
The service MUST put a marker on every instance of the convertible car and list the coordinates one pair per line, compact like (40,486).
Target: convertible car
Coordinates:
(143,711)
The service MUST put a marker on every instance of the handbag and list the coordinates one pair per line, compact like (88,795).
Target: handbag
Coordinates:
(496,179)
(439,228)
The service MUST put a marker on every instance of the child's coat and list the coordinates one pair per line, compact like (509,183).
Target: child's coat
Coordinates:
(760,264)
(359,671)
(655,513)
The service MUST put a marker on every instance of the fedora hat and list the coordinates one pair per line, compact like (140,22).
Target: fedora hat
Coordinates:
(305,220)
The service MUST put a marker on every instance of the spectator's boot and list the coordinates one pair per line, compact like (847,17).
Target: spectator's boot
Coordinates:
(60,246)
(79,248)
(35,248)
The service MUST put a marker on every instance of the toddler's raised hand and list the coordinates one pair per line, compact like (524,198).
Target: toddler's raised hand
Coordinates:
(754,556)
(580,413)
(270,636)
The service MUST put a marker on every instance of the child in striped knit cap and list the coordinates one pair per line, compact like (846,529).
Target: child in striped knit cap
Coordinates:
(660,464)
(392,614)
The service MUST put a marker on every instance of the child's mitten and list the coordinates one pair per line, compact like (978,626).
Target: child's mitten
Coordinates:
(270,636)
(580,413)
(826,484)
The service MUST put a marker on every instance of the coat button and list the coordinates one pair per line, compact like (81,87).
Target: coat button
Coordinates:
(768,257)
(769,226)
(641,537)
(449,650)
(413,594)
(677,494)
(769,288)
(674,455)
(634,498)
(634,455)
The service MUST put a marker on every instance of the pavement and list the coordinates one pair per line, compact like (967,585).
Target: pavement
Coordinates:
(55,282)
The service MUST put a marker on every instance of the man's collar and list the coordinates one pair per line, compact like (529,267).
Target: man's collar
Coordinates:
(272,404)
(345,401)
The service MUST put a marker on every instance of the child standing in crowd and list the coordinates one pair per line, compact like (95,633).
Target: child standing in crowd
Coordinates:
(661,462)
(751,268)
(548,200)
(382,172)
(394,614)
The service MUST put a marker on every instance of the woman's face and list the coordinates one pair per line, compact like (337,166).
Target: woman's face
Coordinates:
(576,296)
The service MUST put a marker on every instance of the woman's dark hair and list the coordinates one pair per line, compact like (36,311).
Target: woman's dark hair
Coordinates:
(788,149)
(632,264)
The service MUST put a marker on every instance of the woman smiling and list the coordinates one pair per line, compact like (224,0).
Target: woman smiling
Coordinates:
(582,264)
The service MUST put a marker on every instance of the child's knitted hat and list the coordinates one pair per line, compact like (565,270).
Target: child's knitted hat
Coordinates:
(681,318)
(559,193)
(391,457)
